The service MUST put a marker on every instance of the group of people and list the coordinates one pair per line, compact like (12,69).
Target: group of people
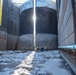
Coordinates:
(42,48)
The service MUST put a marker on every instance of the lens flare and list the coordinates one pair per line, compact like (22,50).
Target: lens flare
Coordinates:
(34,20)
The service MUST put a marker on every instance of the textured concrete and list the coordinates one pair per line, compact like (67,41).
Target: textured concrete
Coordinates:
(73,67)
(15,24)
(46,21)
(47,41)
(10,24)
(11,42)
(39,3)
(13,19)
(2,40)
(66,30)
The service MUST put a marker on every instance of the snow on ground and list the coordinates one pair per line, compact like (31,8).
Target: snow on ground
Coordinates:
(32,63)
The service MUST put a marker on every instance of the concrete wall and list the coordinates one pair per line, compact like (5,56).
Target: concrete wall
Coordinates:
(45,40)
(46,21)
(66,33)
(46,28)
(2,40)
(46,25)
(12,26)
(3,27)
(39,3)
(10,23)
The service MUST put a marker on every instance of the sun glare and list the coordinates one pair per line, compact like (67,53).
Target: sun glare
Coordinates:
(34,21)
(54,0)
(34,17)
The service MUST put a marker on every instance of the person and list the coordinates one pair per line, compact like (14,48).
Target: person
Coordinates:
(38,48)
(42,49)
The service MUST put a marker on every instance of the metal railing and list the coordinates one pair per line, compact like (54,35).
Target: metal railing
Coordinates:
(73,47)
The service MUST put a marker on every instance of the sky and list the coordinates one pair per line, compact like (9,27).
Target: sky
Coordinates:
(22,1)
(19,1)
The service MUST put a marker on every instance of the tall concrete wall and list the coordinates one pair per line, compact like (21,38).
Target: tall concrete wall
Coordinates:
(3,27)
(46,21)
(66,10)
(66,31)
(39,3)
(10,24)
(46,25)
(45,40)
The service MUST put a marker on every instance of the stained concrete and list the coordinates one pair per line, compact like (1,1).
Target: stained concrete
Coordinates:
(47,41)
(46,21)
